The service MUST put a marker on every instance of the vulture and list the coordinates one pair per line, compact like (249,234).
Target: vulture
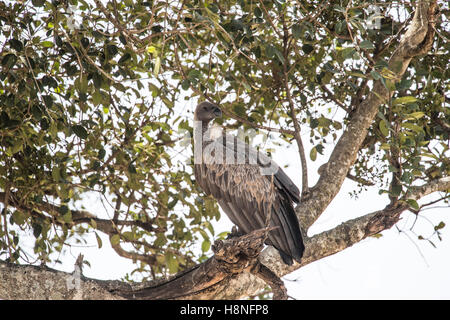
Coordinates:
(251,188)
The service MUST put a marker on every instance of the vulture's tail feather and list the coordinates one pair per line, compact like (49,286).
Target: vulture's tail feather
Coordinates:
(296,246)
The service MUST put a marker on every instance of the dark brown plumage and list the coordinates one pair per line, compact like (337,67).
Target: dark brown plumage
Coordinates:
(240,178)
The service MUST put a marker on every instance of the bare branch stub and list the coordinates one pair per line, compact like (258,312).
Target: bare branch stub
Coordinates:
(237,254)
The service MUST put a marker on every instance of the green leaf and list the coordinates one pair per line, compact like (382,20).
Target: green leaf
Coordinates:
(80,131)
(223,235)
(307,48)
(38,3)
(67,217)
(441,225)
(99,240)
(347,53)
(384,128)
(171,262)
(16,44)
(97,98)
(63,209)
(313,154)
(93,223)
(131,168)
(358,74)
(413,204)
(115,240)
(194,75)
(366,44)
(101,153)
(124,58)
(396,190)
(83,84)
(9,60)
(415,115)
(56,174)
(385,146)
(206,244)
(17,146)
(37,229)
(270,51)
(297,31)
(412,126)
(47,44)
(377,235)
(404,100)
(279,55)
(19,217)
(257,12)
(97,79)
(186,84)
(375,75)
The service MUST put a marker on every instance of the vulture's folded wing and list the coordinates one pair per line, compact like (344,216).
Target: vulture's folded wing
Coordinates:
(267,165)
(247,196)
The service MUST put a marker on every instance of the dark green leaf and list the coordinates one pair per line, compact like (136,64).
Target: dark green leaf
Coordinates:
(124,58)
(38,3)
(366,44)
(307,48)
(9,60)
(441,225)
(413,204)
(16,44)
(396,190)
(37,229)
(297,31)
(80,131)
(131,168)
(347,53)
(99,240)
(375,75)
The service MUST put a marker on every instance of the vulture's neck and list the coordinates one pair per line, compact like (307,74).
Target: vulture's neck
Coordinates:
(203,125)
(200,131)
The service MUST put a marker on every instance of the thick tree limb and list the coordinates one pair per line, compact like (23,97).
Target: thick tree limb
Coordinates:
(231,257)
(417,40)
(79,216)
(46,283)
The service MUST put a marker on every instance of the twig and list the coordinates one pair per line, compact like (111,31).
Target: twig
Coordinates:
(5,208)
(332,97)
(270,19)
(301,150)
(277,285)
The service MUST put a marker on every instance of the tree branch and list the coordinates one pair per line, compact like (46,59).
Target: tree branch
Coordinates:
(298,138)
(417,40)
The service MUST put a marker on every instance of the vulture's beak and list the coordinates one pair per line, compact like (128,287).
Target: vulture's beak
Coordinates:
(217,112)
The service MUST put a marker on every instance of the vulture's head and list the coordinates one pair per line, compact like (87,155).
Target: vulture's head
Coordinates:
(207,111)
